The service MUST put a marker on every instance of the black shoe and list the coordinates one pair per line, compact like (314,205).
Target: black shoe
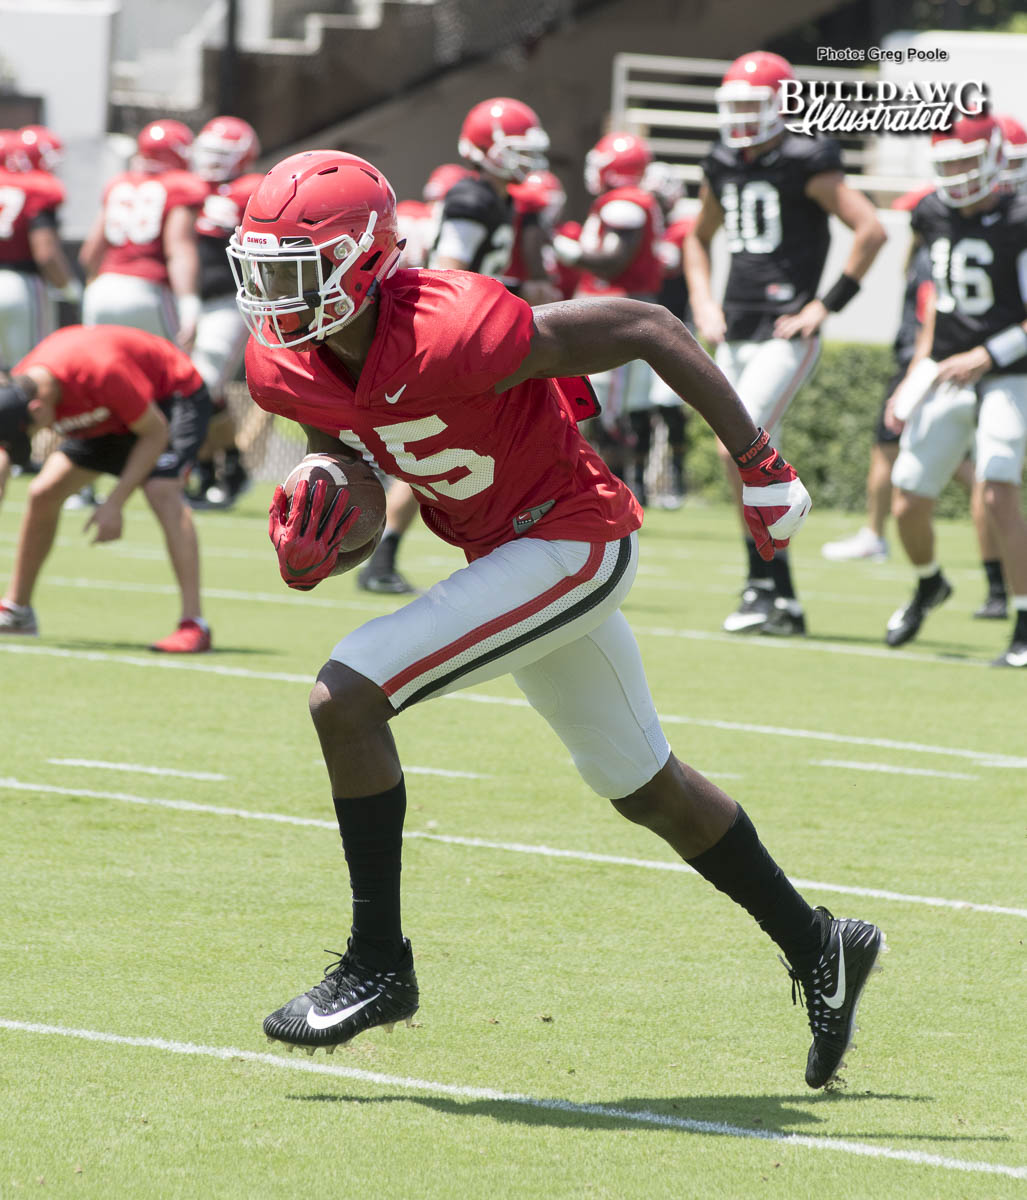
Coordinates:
(390,582)
(349,1000)
(756,606)
(832,990)
(1015,656)
(904,624)
(201,480)
(783,622)
(993,609)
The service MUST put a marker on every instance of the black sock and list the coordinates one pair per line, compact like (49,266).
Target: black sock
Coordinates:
(1020,628)
(740,867)
(372,840)
(758,569)
(993,574)
(383,561)
(781,573)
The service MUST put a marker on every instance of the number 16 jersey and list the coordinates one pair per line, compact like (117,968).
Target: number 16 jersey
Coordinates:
(777,236)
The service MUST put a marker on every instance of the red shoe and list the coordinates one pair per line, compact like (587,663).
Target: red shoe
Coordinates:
(188,638)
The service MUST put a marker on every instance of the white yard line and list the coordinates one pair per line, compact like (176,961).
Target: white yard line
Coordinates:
(984,758)
(889,769)
(21,785)
(138,769)
(548,1104)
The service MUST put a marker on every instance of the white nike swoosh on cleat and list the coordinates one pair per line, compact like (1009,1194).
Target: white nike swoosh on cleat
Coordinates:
(395,395)
(317,1021)
(838,998)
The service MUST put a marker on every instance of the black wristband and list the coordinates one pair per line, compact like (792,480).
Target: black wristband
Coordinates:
(754,449)
(840,295)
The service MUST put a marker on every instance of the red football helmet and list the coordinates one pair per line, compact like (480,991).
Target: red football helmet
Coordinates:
(540,192)
(225,148)
(616,160)
(1014,138)
(164,146)
(503,137)
(317,237)
(42,146)
(442,179)
(749,100)
(968,160)
(12,151)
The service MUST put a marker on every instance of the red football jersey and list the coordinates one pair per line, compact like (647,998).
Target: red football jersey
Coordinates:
(109,374)
(223,206)
(135,211)
(486,466)
(625,210)
(24,196)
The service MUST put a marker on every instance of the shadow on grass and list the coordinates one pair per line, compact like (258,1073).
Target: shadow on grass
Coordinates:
(732,1116)
(99,645)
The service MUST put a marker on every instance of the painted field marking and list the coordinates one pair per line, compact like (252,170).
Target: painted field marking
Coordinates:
(549,1104)
(984,758)
(20,785)
(889,769)
(138,769)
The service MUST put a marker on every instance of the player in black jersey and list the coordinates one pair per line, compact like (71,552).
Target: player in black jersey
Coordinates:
(967,385)
(773,192)
(503,141)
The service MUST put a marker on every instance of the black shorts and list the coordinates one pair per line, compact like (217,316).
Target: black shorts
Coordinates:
(187,427)
(883,435)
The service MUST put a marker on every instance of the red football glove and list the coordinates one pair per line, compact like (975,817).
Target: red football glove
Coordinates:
(306,532)
(774,501)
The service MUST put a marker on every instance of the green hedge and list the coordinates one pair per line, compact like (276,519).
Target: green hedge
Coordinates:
(827,433)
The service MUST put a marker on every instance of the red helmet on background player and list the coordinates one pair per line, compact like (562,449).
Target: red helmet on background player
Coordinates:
(968,160)
(662,181)
(43,147)
(749,99)
(225,148)
(317,237)
(1014,140)
(540,192)
(616,160)
(505,138)
(164,146)
(12,151)
(442,179)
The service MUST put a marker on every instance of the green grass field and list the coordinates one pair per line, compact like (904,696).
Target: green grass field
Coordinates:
(595,1022)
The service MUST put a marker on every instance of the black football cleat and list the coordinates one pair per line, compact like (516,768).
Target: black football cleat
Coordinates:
(904,624)
(1015,656)
(832,991)
(995,608)
(784,621)
(351,999)
(389,583)
(755,608)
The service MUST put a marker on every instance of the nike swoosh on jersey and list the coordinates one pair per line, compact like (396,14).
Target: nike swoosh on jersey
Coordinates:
(395,395)
(838,998)
(328,1020)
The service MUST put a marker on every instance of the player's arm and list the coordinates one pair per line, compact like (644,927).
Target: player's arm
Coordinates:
(48,255)
(582,337)
(612,258)
(319,442)
(921,350)
(852,208)
(182,256)
(151,431)
(537,288)
(1000,349)
(92,250)
(697,266)
(457,244)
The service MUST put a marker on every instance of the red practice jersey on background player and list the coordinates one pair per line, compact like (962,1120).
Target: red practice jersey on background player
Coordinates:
(485,465)
(109,374)
(644,274)
(25,198)
(136,205)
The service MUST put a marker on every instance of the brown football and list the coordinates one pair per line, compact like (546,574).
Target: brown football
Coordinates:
(365,492)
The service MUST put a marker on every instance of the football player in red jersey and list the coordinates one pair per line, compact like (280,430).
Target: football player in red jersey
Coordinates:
(617,253)
(773,191)
(132,405)
(222,156)
(966,386)
(140,257)
(446,380)
(31,256)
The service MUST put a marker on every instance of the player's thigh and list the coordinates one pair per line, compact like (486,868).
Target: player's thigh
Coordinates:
(595,697)
(112,299)
(772,374)
(26,315)
(1002,429)
(492,617)
(220,341)
(935,440)
(59,477)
